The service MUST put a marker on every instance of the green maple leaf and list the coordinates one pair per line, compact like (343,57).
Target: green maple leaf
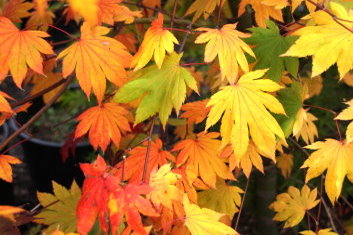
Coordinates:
(162,89)
(291,100)
(59,208)
(269,45)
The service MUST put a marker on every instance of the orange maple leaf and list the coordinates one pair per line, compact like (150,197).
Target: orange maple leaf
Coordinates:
(5,167)
(264,9)
(195,112)
(19,49)
(134,164)
(41,17)
(105,123)
(110,11)
(201,158)
(95,57)
(16,9)
(157,41)
(102,196)
(4,105)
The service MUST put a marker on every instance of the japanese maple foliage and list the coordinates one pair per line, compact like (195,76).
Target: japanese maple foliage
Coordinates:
(190,98)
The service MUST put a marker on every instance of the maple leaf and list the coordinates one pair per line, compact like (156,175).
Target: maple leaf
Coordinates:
(20,48)
(226,43)
(157,41)
(245,106)
(124,14)
(327,42)
(128,39)
(105,197)
(264,9)
(160,89)
(88,9)
(95,57)
(4,104)
(59,232)
(151,4)
(224,199)
(110,11)
(291,206)
(204,221)
(105,123)
(335,156)
(347,114)
(269,45)
(5,167)
(128,201)
(195,112)
(59,208)
(201,158)
(14,10)
(41,82)
(292,101)
(9,212)
(252,157)
(304,126)
(164,191)
(311,7)
(205,7)
(135,162)
(326,231)
(41,17)
(285,163)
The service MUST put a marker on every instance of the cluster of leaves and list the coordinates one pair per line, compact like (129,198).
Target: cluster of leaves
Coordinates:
(243,102)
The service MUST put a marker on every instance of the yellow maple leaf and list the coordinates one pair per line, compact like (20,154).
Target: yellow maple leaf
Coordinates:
(205,7)
(19,49)
(326,231)
(88,9)
(227,44)
(311,7)
(327,42)
(156,42)
(291,206)
(285,163)
(224,199)
(336,157)
(164,191)
(204,221)
(244,107)
(264,9)
(347,114)
(304,126)
(95,57)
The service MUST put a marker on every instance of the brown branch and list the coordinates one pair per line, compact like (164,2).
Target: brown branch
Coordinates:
(189,27)
(37,115)
(144,174)
(219,13)
(42,92)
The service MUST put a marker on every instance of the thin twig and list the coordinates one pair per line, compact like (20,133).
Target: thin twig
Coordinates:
(144,174)
(320,204)
(42,92)
(189,27)
(328,212)
(173,14)
(219,13)
(242,203)
(334,17)
(38,114)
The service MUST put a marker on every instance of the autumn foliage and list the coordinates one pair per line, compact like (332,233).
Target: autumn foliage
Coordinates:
(192,104)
